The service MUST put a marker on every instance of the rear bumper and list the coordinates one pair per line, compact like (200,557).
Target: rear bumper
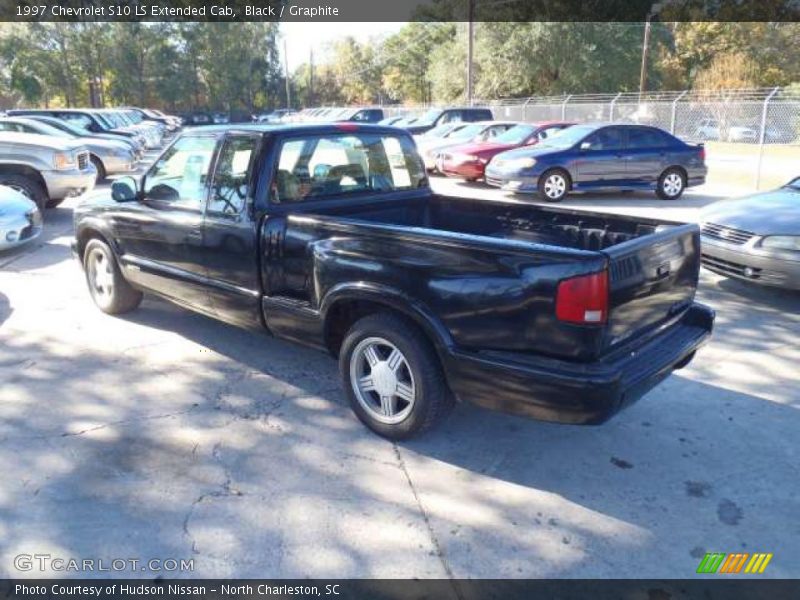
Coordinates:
(577,393)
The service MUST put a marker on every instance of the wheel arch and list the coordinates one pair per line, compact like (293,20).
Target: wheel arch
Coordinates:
(24,171)
(347,303)
(558,167)
(677,167)
(91,231)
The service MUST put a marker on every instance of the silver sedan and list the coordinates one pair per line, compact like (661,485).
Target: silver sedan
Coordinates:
(20,219)
(755,238)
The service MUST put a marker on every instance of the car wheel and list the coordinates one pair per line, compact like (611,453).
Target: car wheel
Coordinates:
(671,184)
(554,185)
(110,291)
(392,377)
(101,170)
(26,186)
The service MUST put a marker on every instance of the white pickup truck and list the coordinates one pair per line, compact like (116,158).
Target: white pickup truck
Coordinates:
(46,169)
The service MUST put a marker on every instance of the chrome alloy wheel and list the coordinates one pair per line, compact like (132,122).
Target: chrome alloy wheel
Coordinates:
(673,184)
(555,185)
(382,380)
(101,275)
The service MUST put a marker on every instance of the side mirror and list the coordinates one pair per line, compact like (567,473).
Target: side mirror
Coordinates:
(124,189)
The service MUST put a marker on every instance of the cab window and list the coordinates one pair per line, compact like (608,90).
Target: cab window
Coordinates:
(231,186)
(180,174)
(323,166)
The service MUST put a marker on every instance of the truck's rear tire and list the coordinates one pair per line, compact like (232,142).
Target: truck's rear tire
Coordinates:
(110,291)
(392,377)
(27,186)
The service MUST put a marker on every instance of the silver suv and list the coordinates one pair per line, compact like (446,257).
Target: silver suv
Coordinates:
(44,168)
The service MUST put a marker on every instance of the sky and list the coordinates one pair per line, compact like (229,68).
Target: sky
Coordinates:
(303,37)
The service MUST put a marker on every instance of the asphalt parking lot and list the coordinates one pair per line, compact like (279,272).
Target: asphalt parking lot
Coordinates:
(165,434)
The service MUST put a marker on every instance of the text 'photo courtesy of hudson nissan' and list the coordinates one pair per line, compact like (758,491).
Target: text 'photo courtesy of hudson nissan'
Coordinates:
(424,299)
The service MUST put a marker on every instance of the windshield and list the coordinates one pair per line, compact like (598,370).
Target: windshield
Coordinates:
(569,137)
(45,129)
(104,121)
(440,131)
(429,117)
(465,133)
(516,135)
(69,127)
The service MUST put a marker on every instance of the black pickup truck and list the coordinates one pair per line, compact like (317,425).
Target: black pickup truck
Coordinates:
(329,235)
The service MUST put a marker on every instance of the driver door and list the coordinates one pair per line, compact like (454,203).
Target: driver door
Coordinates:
(230,235)
(161,236)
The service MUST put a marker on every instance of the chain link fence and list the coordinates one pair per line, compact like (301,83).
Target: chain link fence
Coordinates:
(752,135)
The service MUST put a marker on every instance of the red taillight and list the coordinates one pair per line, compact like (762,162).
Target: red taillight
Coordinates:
(345,126)
(583,299)
(703,153)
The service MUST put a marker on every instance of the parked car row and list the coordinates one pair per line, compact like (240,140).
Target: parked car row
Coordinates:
(47,155)
(713,130)
(555,158)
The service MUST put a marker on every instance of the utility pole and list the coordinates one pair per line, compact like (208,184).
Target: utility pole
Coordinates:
(311,77)
(470,39)
(286,70)
(645,52)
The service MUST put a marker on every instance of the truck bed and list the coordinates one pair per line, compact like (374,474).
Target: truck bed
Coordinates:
(566,228)
(491,269)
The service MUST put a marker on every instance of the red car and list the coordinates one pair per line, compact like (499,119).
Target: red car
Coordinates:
(469,160)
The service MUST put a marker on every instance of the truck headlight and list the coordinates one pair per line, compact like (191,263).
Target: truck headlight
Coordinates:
(782,242)
(64,160)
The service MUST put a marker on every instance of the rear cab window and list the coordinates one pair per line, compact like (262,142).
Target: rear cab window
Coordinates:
(334,165)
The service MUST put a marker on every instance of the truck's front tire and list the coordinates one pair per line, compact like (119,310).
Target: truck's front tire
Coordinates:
(110,291)
(392,377)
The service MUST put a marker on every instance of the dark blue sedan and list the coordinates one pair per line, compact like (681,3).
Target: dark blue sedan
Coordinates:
(601,157)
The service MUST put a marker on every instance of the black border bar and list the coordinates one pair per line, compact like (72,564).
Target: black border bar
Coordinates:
(400,10)
(718,588)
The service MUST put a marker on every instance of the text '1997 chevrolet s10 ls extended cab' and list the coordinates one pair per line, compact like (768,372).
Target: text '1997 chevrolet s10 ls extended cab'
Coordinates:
(329,235)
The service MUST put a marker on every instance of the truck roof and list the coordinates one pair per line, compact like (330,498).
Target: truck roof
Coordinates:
(345,126)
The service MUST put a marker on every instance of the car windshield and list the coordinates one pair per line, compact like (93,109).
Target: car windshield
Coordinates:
(429,117)
(516,135)
(67,126)
(45,129)
(105,121)
(794,184)
(440,131)
(569,137)
(466,133)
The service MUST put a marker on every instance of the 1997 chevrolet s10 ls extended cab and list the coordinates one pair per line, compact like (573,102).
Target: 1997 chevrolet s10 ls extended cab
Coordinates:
(329,235)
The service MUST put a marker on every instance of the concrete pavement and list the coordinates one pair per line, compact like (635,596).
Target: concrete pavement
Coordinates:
(165,434)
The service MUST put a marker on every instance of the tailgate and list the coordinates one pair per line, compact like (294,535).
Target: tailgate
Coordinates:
(652,279)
